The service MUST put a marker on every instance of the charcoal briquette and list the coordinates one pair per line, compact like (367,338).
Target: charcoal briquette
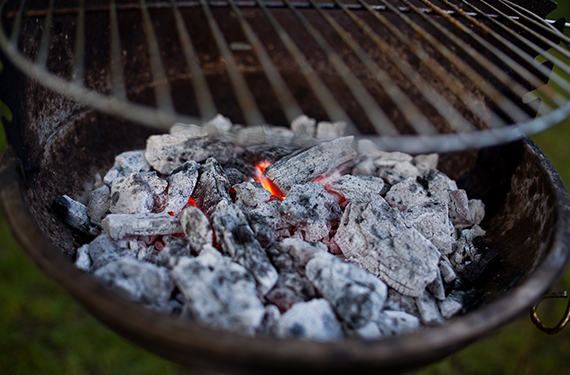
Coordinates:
(312,320)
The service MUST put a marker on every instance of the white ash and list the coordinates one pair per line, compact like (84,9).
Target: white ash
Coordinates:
(99,203)
(75,215)
(213,187)
(385,218)
(306,166)
(197,228)
(312,320)
(140,281)
(356,295)
(311,209)
(181,185)
(127,163)
(120,225)
(238,242)
(219,292)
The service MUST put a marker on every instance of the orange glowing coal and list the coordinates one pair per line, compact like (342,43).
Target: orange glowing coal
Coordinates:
(267,184)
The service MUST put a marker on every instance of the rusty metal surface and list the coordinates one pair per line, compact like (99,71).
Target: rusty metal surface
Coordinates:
(563,321)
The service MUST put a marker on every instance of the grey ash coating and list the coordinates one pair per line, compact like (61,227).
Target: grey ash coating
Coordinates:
(361,243)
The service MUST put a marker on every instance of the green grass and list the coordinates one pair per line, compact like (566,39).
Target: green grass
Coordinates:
(44,331)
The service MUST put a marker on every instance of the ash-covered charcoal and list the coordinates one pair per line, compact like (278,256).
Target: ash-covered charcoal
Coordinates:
(356,295)
(473,270)
(75,215)
(127,163)
(238,241)
(159,188)
(424,163)
(394,323)
(289,258)
(364,225)
(408,193)
(249,195)
(173,252)
(438,184)
(265,222)
(429,312)
(181,185)
(477,209)
(306,166)
(145,224)
(459,209)
(197,228)
(310,211)
(267,153)
(219,293)
(213,187)
(99,203)
(272,315)
(437,288)
(452,305)
(166,152)
(263,134)
(431,219)
(396,173)
(303,129)
(131,195)
(446,270)
(181,130)
(247,170)
(465,249)
(104,249)
(139,281)
(398,302)
(82,260)
(312,320)
(217,127)
(356,188)
(330,130)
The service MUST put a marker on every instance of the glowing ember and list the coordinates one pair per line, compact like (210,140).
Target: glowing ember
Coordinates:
(267,184)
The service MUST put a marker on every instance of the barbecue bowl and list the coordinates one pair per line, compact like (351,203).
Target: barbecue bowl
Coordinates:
(58,147)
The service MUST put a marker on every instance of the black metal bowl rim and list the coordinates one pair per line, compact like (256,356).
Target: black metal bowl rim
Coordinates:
(396,351)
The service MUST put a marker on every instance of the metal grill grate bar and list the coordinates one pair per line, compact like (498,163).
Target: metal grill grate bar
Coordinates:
(462,83)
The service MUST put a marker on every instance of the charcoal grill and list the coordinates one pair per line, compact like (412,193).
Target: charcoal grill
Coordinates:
(416,76)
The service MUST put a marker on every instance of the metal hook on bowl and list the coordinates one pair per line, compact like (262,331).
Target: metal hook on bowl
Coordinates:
(561,324)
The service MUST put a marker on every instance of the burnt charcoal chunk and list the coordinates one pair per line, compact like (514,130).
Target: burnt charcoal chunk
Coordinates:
(407,194)
(310,210)
(459,209)
(212,187)
(247,169)
(330,130)
(120,225)
(138,280)
(393,323)
(104,249)
(75,215)
(181,185)
(431,219)
(313,320)
(356,188)
(355,295)
(171,254)
(126,163)
(238,242)
(306,166)
(267,153)
(165,152)
(250,195)
(265,221)
(99,203)
(219,293)
(283,298)
(425,162)
(429,312)
(365,225)
(263,134)
(131,195)
(196,228)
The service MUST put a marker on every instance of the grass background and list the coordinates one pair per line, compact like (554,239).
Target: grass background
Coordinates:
(43,330)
